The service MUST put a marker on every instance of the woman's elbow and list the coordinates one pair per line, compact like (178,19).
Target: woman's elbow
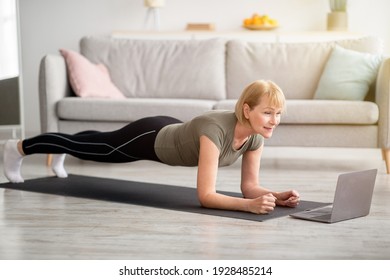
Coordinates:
(205,200)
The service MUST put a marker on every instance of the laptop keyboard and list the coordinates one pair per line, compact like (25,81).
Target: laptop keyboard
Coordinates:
(322,214)
(321,211)
(318,213)
(325,217)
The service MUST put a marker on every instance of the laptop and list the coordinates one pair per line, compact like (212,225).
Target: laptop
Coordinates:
(352,199)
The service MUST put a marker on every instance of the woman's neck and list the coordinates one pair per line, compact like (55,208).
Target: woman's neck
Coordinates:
(241,134)
(242,131)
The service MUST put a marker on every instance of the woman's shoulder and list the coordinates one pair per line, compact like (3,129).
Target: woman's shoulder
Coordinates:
(214,124)
(218,116)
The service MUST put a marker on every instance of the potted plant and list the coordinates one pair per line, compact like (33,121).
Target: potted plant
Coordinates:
(338,5)
(338,17)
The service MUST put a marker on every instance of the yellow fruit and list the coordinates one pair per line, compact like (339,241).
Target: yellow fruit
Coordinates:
(247,21)
(260,20)
(265,17)
(257,21)
(273,22)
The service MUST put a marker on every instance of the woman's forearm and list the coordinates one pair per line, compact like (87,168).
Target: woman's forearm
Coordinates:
(220,201)
(254,191)
(259,205)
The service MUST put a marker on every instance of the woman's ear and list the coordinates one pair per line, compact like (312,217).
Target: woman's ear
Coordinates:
(246,109)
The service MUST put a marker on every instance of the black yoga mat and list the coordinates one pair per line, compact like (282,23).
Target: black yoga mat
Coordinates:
(145,194)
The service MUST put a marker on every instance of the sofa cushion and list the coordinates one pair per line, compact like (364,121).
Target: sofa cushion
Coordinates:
(130,109)
(192,69)
(348,75)
(338,135)
(88,79)
(295,67)
(322,111)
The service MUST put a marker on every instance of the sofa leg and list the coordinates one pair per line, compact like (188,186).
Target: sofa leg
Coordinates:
(49,159)
(386,157)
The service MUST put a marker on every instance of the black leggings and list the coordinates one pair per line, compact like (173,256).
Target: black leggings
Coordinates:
(133,142)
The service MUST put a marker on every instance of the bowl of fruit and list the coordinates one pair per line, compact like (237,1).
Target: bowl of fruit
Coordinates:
(260,22)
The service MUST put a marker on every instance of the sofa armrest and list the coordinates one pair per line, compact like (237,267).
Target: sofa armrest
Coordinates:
(382,98)
(53,86)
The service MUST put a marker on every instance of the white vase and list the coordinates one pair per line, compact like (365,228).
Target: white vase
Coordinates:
(337,21)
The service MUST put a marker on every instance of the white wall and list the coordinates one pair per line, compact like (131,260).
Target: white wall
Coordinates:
(9,63)
(47,25)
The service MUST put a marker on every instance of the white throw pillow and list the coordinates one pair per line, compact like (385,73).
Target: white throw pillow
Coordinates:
(347,75)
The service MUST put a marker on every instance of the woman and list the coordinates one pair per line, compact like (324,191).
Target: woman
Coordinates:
(214,139)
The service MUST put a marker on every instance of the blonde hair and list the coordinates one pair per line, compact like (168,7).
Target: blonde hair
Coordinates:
(253,94)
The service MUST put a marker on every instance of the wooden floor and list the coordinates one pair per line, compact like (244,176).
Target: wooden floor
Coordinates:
(41,226)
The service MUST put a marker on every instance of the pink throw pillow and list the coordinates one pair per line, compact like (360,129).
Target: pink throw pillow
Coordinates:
(88,79)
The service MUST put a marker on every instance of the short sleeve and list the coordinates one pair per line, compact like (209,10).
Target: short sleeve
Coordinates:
(214,132)
(256,142)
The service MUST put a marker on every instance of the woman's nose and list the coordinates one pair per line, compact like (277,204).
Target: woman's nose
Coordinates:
(274,120)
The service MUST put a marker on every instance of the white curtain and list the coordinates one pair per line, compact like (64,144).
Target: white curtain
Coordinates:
(9,65)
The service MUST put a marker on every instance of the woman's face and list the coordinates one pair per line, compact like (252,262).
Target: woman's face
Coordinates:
(263,118)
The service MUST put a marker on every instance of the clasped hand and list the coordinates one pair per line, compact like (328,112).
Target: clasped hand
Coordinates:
(267,202)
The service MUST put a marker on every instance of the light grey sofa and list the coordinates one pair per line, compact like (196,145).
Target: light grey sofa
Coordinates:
(185,78)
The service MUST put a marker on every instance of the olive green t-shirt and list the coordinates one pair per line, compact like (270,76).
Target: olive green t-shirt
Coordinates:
(178,144)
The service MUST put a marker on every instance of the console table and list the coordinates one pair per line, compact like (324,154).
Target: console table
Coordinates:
(262,36)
